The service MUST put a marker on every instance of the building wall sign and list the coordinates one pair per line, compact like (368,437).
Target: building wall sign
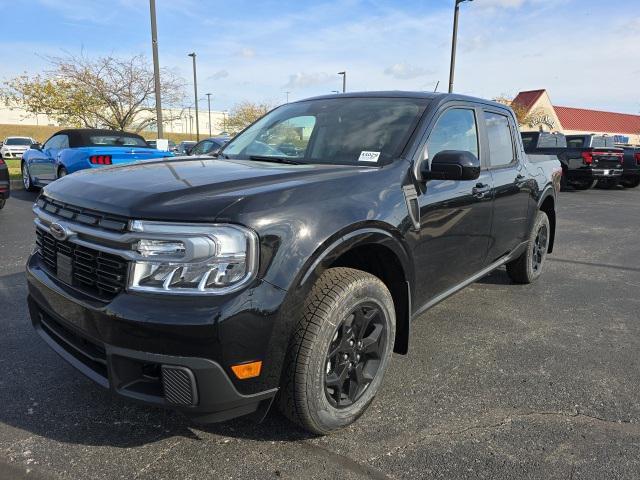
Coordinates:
(620,139)
(542,119)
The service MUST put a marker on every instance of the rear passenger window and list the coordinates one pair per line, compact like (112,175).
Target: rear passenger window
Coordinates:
(455,130)
(501,150)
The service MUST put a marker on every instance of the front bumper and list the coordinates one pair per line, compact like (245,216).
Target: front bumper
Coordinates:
(176,362)
(13,155)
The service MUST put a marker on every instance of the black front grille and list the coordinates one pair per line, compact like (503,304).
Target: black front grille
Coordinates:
(83,215)
(96,273)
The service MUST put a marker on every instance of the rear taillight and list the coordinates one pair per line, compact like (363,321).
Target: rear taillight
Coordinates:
(1,161)
(587,158)
(100,159)
(637,157)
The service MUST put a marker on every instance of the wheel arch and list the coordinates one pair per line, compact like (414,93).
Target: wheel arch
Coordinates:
(377,251)
(547,204)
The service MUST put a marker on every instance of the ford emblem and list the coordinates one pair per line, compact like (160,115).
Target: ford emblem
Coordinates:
(58,231)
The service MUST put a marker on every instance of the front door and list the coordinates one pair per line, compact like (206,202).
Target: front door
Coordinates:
(455,216)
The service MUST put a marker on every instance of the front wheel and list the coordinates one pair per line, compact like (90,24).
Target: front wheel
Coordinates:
(630,182)
(527,268)
(2,202)
(26,178)
(62,172)
(339,351)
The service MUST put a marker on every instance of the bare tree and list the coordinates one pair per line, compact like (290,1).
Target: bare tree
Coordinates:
(108,91)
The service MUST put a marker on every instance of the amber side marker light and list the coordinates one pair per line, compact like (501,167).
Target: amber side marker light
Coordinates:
(247,370)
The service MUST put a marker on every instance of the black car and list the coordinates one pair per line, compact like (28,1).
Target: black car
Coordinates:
(209,285)
(208,146)
(5,184)
(631,167)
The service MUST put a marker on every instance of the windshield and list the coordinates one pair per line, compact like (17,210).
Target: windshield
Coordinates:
(346,131)
(18,141)
(117,141)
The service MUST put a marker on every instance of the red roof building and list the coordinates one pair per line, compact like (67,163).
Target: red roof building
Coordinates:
(542,114)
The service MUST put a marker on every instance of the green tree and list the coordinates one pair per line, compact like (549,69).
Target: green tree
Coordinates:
(108,91)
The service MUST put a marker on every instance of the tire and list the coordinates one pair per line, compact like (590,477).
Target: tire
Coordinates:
(528,267)
(2,202)
(26,179)
(584,185)
(62,172)
(630,182)
(347,310)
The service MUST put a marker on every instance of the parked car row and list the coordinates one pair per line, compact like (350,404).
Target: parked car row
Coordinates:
(14,147)
(588,160)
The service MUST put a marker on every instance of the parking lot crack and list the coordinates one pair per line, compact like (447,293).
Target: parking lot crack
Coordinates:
(157,458)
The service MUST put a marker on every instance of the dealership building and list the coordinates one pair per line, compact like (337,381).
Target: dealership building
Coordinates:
(543,115)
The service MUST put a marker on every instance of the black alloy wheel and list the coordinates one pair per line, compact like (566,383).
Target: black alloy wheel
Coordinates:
(355,354)
(540,247)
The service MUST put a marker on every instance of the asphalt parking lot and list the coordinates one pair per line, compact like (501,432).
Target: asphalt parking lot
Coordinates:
(502,381)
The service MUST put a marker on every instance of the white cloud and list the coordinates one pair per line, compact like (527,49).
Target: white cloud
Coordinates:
(247,53)
(404,71)
(218,75)
(306,80)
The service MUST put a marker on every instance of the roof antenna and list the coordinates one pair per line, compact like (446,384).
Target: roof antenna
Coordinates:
(436,89)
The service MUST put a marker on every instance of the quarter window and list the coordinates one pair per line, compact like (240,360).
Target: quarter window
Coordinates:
(455,130)
(501,150)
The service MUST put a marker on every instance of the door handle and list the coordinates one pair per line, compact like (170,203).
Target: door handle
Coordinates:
(480,189)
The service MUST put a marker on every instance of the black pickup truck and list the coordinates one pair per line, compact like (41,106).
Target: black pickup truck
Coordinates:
(586,159)
(630,167)
(214,285)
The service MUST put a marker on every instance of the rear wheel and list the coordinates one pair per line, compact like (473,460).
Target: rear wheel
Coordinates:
(527,268)
(339,351)
(26,178)
(2,202)
(630,182)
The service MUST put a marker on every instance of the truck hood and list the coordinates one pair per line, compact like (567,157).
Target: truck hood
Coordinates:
(193,189)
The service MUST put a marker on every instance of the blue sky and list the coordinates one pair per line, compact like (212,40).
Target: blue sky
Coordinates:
(583,51)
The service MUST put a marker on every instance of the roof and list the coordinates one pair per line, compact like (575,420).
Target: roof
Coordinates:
(79,137)
(582,119)
(528,98)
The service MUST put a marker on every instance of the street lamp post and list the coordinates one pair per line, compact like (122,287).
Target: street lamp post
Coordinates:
(209,105)
(224,120)
(195,92)
(287,96)
(454,40)
(344,81)
(156,65)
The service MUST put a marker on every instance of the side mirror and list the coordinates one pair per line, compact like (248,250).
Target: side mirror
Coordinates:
(36,146)
(452,165)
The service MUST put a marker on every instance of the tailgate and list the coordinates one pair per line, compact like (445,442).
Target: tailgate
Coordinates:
(607,157)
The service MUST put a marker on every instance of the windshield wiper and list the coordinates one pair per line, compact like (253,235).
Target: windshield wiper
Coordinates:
(267,158)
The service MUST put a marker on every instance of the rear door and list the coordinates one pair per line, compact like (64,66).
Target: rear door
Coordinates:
(455,216)
(510,183)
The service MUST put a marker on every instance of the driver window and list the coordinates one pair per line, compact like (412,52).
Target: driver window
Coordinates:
(455,130)
(52,142)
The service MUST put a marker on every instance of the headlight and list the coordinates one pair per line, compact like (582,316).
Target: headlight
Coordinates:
(192,258)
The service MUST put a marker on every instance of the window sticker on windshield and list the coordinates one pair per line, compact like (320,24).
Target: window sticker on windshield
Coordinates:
(368,156)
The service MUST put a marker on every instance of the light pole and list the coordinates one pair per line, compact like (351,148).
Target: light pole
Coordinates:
(454,39)
(344,81)
(195,92)
(287,96)
(224,120)
(156,65)
(209,105)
